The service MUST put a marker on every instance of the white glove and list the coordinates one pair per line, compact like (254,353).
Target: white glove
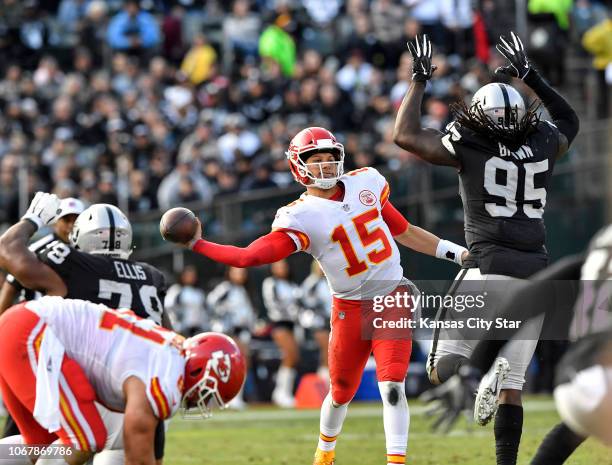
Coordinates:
(43,209)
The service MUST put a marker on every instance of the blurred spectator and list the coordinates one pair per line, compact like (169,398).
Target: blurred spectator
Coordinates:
(598,42)
(186,304)
(92,31)
(133,30)
(322,12)
(234,314)
(277,45)
(70,13)
(183,182)
(237,137)
(240,31)
(107,192)
(33,34)
(388,24)
(281,299)
(356,73)
(457,17)
(317,300)
(198,63)
(138,200)
(548,38)
(260,178)
(427,14)
(172,33)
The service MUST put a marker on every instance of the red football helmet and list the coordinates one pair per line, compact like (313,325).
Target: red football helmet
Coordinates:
(307,142)
(215,369)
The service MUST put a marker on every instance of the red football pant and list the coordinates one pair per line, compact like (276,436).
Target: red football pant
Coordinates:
(21,333)
(349,350)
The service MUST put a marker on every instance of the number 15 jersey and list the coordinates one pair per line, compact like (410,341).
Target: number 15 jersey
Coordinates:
(349,238)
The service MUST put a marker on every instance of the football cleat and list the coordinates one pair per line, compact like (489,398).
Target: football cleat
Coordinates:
(487,398)
(324,457)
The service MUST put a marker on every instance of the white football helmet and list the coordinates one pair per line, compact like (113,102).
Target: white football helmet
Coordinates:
(500,102)
(102,229)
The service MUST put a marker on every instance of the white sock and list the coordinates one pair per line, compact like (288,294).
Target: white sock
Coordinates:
(14,459)
(332,418)
(323,372)
(285,377)
(396,418)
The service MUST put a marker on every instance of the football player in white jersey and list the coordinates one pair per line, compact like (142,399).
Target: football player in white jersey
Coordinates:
(346,222)
(60,355)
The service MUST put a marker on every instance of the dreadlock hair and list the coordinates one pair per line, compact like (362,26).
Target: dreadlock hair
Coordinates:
(512,137)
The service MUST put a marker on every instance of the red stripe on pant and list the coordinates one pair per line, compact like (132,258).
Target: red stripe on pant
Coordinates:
(18,384)
(349,351)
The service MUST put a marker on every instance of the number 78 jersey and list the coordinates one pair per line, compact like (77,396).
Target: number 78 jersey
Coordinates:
(110,281)
(348,238)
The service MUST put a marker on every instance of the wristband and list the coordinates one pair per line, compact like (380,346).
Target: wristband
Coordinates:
(450,251)
(35,220)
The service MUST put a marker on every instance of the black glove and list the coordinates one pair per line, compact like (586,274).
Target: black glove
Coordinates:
(452,398)
(420,48)
(512,49)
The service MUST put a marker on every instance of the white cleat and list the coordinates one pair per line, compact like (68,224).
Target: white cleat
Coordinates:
(487,398)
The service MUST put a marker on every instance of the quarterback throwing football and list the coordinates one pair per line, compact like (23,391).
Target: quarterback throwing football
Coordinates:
(347,223)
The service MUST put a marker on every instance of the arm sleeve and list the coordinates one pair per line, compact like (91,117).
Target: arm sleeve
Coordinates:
(267,249)
(561,112)
(394,219)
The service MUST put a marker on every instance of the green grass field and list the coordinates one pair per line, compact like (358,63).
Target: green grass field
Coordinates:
(264,435)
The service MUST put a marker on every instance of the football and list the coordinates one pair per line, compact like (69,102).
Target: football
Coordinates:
(178,225)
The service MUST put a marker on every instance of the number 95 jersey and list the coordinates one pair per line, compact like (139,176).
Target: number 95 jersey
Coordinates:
(504,195)
(349,238)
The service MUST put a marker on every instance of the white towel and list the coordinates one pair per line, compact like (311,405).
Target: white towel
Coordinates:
(47,406)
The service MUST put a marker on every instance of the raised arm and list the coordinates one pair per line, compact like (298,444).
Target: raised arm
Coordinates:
(267,249)
(408,134)
(561,112)
(20,261)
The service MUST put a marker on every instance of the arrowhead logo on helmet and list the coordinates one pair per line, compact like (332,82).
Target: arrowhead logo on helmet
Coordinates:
(215,371)
(308,142)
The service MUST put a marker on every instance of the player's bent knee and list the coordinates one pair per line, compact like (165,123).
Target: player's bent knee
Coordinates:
(392,392)
(342,398)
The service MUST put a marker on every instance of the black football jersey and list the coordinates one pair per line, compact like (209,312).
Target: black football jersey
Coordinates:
(504,194)
(30,294)
(593,308)
(110,281)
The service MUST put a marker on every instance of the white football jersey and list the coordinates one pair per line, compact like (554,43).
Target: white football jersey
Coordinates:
(348,238)
(111,345)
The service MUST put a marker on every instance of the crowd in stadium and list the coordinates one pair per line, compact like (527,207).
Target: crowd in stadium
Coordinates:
(193,99)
